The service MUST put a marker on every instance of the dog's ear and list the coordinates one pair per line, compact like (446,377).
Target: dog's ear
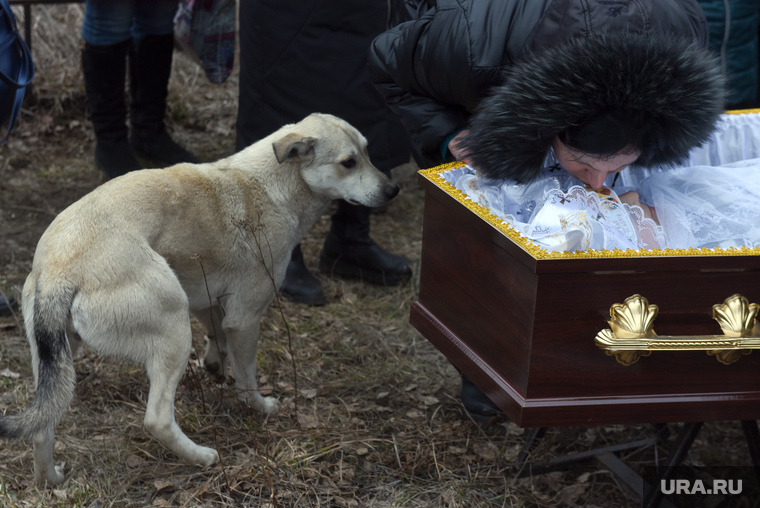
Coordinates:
(294,147)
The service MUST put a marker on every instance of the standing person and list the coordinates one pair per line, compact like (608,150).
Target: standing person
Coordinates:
(298,57)
(517,87)
(735,38)
(142,30)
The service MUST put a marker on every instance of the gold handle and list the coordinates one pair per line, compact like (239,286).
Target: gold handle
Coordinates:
(631,334)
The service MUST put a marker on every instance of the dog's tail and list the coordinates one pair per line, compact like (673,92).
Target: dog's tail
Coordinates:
(54,365)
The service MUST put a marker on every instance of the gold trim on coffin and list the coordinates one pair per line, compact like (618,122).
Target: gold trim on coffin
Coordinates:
(632,334)
(435,176)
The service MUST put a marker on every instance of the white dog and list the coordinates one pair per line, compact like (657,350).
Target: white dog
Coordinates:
(122,268)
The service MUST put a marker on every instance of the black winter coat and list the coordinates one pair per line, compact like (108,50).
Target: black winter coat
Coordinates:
(299,57)
(433,71)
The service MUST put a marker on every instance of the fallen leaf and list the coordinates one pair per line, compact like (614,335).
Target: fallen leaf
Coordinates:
(164,484)
(486,451)
(9,373)
(571,493)
(285,386)
(309,394)
(429,400)
(415,413)
(201,491)
(134,461)
(513,429)
(511,453)
(308,421)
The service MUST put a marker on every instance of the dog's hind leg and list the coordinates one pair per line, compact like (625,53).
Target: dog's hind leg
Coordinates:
(146,319)
(165,369)
(166,363)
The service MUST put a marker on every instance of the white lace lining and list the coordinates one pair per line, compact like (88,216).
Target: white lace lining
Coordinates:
(699,204)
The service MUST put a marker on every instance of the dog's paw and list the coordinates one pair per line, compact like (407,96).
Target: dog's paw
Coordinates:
(206,456)
(266,405)
(51,476)
(270,405)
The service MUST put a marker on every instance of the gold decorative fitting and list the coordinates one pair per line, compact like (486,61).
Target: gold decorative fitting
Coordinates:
(631,334)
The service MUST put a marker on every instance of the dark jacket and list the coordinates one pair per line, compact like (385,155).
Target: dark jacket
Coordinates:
(435,70)
(734,37)
(304,56)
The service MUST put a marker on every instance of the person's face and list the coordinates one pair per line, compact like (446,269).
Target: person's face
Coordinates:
(590,169)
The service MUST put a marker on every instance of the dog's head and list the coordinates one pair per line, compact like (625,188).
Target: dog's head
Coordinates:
(334,161)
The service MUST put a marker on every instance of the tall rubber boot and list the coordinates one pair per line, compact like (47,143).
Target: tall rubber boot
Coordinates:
(350,252)
(300,285)
(150,64)
(104,69)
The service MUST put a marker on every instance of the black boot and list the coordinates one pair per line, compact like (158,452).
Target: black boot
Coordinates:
(150,64)
(350,252)
(477,404)
(300,285)
(104,69)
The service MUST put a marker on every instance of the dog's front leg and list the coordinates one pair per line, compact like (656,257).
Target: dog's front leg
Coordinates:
(243,341)
(45,471)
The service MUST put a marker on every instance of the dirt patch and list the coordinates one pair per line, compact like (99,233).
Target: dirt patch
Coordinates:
(371,415)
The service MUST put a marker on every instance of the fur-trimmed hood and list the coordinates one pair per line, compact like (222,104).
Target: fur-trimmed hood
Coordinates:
(670,87)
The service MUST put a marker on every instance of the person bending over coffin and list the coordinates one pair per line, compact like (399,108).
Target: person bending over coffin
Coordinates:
(502,83)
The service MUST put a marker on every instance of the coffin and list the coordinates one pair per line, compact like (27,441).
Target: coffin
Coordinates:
(524,325)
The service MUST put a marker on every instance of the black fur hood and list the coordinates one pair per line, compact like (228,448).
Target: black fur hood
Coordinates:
(671,87)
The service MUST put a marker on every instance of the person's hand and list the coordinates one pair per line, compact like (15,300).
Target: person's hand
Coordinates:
(631,198)
(454,148)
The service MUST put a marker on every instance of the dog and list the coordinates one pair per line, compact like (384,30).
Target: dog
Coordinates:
(122,269)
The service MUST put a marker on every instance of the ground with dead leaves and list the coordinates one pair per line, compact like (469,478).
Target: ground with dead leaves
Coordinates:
(371,415)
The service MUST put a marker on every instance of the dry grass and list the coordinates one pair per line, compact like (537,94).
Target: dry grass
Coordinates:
(375,420)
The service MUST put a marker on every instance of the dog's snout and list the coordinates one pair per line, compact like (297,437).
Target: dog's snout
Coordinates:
(391,191)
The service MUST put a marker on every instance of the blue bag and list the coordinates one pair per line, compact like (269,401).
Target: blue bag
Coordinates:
(16,68)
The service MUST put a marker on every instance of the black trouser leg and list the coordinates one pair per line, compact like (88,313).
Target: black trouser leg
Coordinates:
(104,69)
(150,63)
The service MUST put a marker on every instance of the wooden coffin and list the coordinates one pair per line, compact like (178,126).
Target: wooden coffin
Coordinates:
(522,324)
